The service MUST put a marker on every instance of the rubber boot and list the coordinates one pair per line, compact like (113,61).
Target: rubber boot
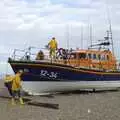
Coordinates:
(21,101)
(13,101)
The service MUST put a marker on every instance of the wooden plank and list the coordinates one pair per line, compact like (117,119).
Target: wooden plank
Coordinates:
(46,105)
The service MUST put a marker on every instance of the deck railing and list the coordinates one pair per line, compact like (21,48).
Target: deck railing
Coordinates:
(29,55)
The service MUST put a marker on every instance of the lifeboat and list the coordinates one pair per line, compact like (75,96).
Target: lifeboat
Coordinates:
(71,70)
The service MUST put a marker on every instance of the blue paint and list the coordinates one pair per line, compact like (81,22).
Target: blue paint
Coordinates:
(61,73)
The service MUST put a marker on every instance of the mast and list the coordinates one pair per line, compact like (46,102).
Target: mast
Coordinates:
(81,37)
(67,30)
(90,35)
(110,36)
(110,28)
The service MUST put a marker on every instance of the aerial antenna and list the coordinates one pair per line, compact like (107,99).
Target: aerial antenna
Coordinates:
(81,37)
(67,30)
(110,29)
(90,34)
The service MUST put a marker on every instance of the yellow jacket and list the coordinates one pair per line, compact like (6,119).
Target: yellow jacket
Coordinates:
(16,82)
(8,78)
(53,44)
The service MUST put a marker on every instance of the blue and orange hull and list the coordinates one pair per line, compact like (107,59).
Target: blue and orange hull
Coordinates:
(44,72)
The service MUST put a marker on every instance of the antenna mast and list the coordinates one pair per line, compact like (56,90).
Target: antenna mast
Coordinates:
(110,30)
(81,37)
(67,30)
(111,38)
(90,34)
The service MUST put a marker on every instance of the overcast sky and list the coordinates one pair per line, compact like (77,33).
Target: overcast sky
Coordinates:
(26,23)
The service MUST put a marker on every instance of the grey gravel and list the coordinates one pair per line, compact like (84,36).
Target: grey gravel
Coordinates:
(74,106)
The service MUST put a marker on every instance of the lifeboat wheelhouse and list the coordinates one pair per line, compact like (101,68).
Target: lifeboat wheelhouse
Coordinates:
(93,59)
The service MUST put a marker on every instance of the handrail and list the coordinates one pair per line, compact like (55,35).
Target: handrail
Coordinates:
(27,54)
(19,54)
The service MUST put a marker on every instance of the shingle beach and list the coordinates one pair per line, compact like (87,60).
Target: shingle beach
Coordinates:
(72,106)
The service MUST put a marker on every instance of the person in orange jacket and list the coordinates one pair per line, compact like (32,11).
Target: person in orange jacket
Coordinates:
(16,87)
(53,47)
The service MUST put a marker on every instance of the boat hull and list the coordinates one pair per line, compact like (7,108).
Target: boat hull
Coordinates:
(46,87)
(41,77)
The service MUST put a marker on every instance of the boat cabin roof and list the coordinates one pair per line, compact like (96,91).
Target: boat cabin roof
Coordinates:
(92,51)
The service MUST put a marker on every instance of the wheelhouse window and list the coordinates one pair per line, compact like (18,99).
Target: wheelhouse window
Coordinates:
(103,57)
(73,55)
(94,56)
(89,56)
(99,57)
(107,57)
(82,55)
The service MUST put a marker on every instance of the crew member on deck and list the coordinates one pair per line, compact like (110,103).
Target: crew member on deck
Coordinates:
(40,55)
(53,47)
(65,56)
(16,87)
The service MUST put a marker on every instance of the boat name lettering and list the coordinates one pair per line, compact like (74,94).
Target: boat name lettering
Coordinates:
(45,73)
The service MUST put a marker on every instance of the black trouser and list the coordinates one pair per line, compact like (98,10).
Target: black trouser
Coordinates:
(9,87)
(16,93)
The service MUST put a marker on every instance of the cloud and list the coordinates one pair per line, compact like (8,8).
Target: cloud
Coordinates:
(34,22)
